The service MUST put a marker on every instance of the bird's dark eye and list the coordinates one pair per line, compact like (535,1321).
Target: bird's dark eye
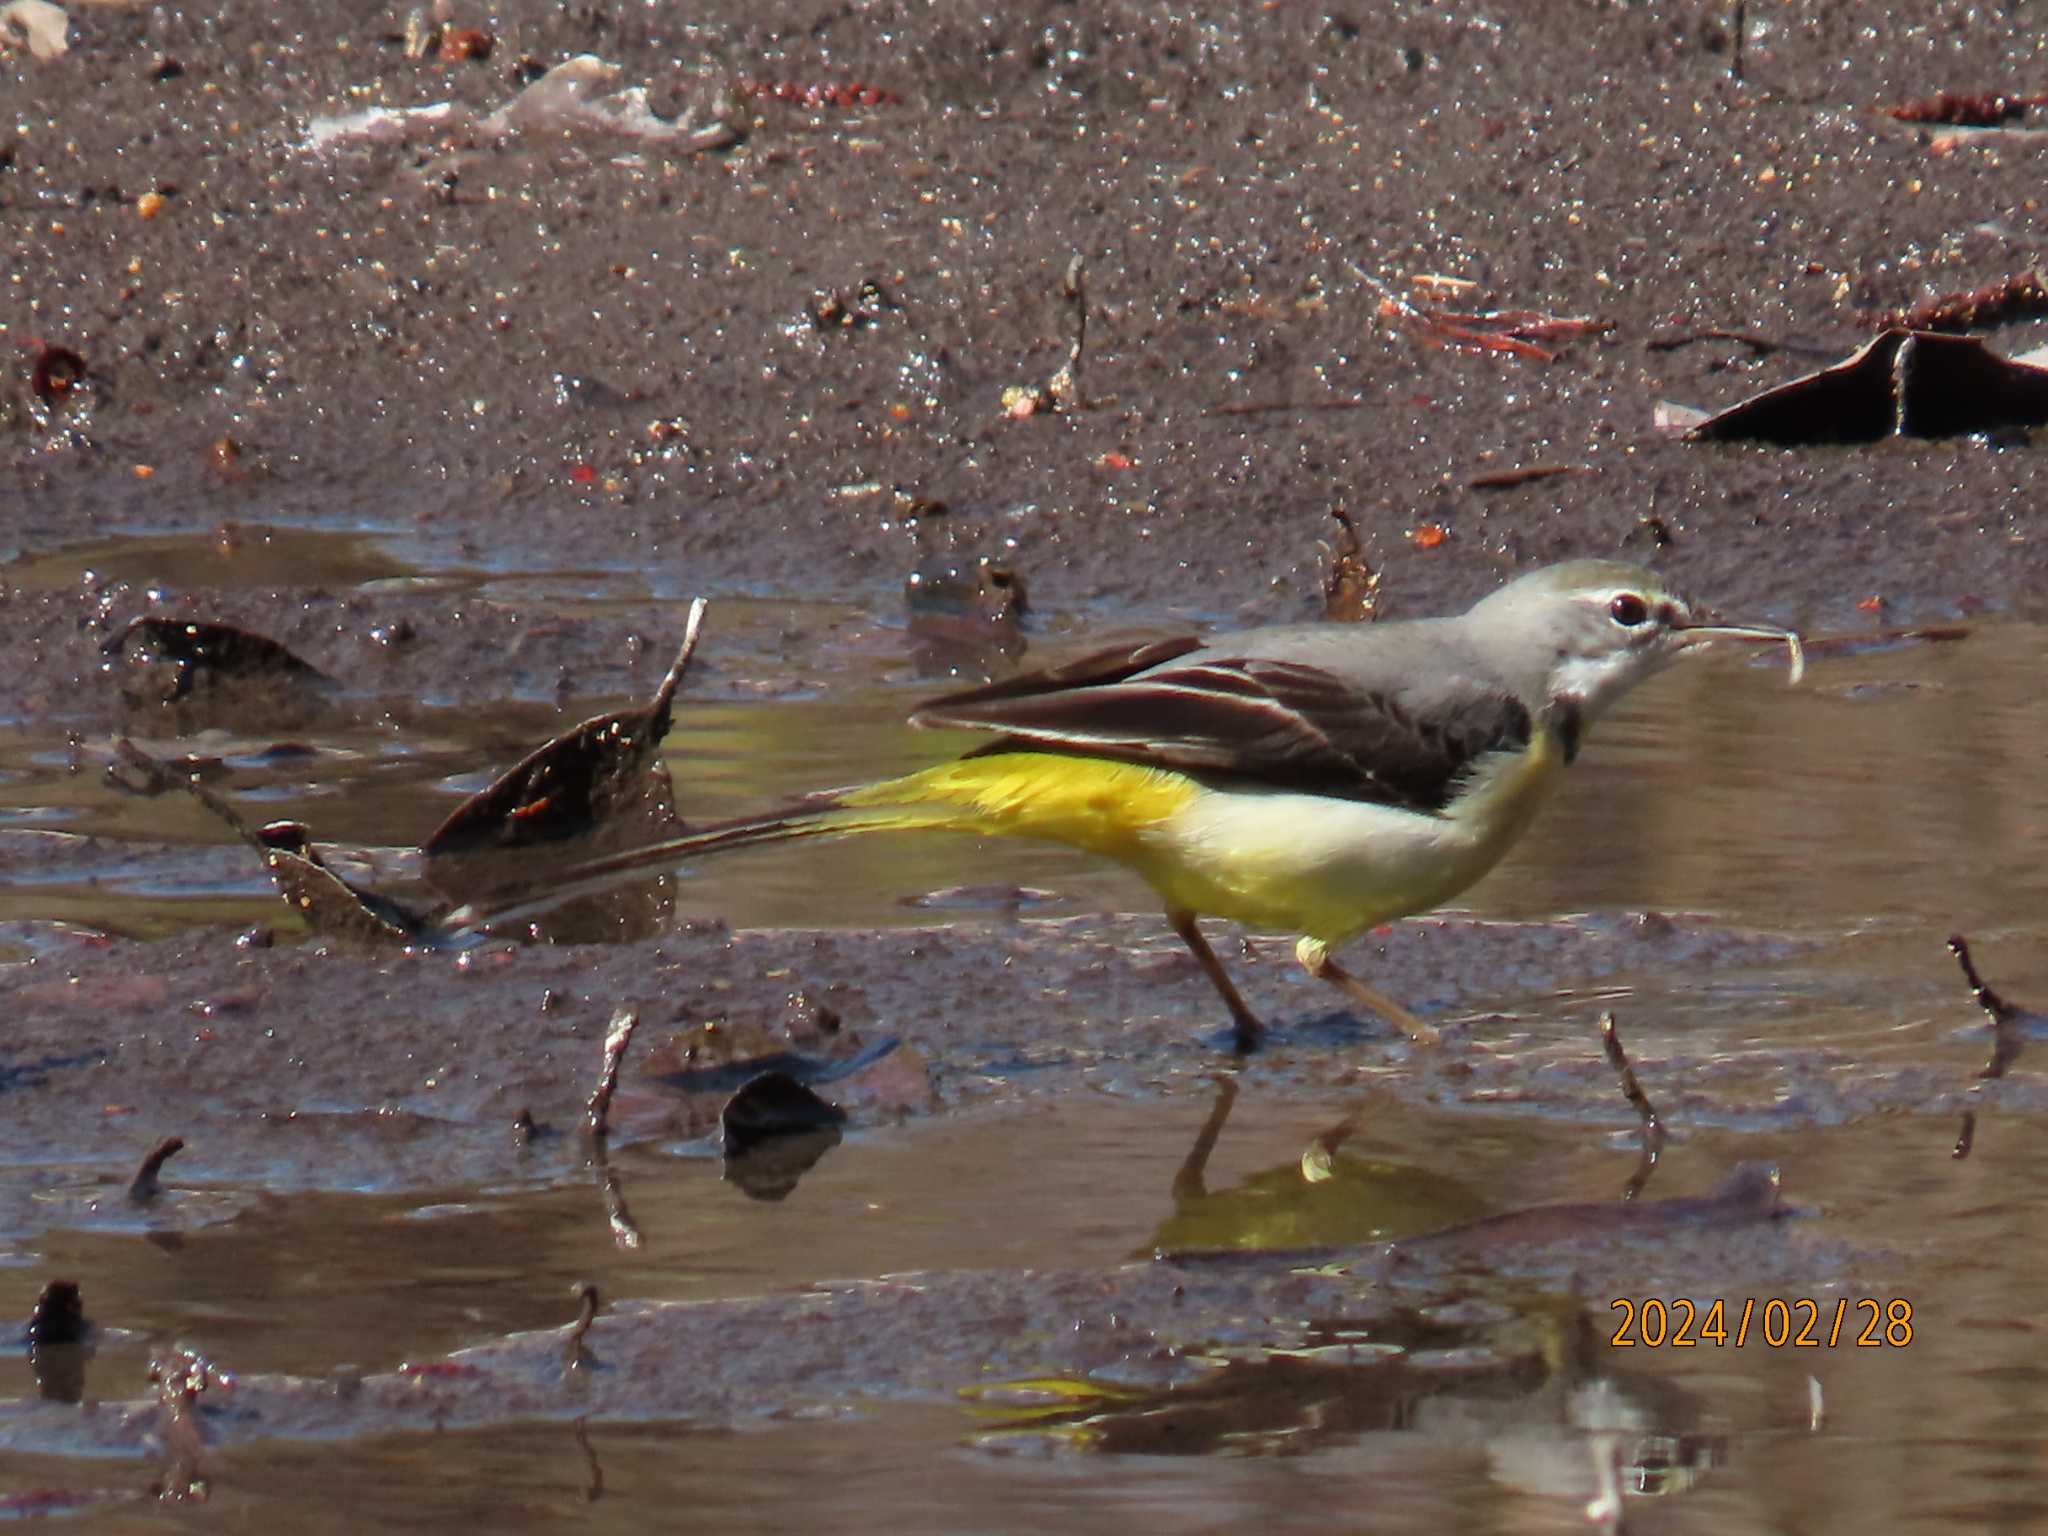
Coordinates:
(1628,610)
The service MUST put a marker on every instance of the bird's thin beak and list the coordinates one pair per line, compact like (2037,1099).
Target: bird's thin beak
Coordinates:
(1691,635)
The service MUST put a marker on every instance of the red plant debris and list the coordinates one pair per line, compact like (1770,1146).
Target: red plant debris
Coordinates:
(1515,332)
(814,94)
(1982,111)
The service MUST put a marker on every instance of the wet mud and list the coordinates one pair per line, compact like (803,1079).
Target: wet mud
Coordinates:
(938,338)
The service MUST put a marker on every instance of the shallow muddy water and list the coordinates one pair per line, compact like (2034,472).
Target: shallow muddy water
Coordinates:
(1816,843)
(462,418)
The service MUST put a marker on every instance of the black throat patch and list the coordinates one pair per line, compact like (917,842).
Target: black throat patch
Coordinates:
(1569,721)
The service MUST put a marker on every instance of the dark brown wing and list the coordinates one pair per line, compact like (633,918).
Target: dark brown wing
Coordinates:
(1282,724)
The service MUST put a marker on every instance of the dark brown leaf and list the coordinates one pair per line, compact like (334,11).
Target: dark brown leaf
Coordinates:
(1903,383)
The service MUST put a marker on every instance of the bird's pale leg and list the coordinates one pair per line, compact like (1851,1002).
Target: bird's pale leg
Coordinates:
(1314,956)
(1245,1022)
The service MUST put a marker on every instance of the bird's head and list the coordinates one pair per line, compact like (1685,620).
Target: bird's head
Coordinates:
(1586,631)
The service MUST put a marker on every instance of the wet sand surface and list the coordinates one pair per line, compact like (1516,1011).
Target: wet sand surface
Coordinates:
(463,420)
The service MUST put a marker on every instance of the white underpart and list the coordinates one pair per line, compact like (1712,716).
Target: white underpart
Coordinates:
(1595,682)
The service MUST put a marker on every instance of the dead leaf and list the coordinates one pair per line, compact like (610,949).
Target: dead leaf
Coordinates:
(1903,383)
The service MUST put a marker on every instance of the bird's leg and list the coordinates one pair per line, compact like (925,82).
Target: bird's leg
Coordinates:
(1244,1021)
(1314,956)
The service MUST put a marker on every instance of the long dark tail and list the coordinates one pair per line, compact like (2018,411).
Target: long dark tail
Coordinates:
(822,815)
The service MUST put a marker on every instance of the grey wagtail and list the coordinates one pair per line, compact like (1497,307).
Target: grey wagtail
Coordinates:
(1319,779)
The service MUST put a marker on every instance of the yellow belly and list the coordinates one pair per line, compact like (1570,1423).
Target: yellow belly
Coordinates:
(1299,863)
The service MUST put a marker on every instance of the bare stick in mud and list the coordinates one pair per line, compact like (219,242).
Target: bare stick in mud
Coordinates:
(2005,1037)
(2004,1016)
(1632,1090)
(598,1123)
(624,1230)
(1065,386)
(144,1187)
(574,1357)
(1064,391)
(616,1039)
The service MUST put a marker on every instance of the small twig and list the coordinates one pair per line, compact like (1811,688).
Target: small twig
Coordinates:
(159,777)
(692,626)
(616,1039)
(1741,26)
(1503,479)
(2005,1017)
(574,1357)
(1632,1090)
(144,1187)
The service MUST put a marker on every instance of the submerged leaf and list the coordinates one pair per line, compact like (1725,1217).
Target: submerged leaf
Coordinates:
(161,661)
